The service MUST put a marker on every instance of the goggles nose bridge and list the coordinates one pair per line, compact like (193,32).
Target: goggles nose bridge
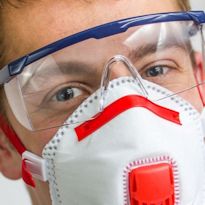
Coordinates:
(116,67)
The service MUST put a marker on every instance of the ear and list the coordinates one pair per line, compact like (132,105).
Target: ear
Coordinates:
(10,160)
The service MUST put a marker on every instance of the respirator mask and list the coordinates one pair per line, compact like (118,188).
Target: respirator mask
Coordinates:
(124,99)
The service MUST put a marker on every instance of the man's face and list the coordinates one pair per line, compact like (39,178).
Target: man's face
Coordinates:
(37,24)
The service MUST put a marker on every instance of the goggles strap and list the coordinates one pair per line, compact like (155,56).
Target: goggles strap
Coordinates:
(12,136)
(15,141)
(199,76)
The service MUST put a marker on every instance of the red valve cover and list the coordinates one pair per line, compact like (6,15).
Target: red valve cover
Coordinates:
(152,185)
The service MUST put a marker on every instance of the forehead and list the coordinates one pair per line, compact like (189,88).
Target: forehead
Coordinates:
(43,22)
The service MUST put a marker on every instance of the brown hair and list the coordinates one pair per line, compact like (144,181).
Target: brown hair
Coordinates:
(14,3)
(184,5)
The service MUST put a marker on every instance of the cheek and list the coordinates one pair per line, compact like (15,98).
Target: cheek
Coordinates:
(36,141)
(33,141)
(193,97)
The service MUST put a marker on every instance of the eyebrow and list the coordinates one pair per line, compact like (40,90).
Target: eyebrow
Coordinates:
(71,68)
(151,48)
(76,68)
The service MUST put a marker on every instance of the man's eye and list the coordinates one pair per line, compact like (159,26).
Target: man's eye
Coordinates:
(66,94)
(156,71)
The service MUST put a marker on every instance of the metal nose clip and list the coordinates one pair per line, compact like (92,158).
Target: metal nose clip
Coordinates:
(106,77)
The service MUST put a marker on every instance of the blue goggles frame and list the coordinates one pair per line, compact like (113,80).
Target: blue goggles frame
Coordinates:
(16,67)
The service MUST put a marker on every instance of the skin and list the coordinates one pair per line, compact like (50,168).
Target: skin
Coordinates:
(38,24)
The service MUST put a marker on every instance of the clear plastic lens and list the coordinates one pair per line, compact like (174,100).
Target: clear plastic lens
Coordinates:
(51,88)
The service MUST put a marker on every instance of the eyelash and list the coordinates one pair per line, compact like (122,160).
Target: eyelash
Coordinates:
(49,98)
(157,66)
(165,63)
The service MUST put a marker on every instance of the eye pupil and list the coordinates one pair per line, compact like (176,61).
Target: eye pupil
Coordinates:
(155,71)
(65,94)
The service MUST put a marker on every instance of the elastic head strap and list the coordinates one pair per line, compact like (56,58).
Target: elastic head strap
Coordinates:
(15,141)
(12,136)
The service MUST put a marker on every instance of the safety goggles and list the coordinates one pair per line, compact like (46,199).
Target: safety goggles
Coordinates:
(44,87)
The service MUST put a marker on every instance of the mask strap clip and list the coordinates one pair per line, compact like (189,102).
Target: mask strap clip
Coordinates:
(33,166)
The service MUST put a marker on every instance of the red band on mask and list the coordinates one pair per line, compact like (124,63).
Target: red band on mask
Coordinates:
(120,106)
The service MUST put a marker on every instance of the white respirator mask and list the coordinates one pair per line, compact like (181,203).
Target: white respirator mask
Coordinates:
(134,151)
